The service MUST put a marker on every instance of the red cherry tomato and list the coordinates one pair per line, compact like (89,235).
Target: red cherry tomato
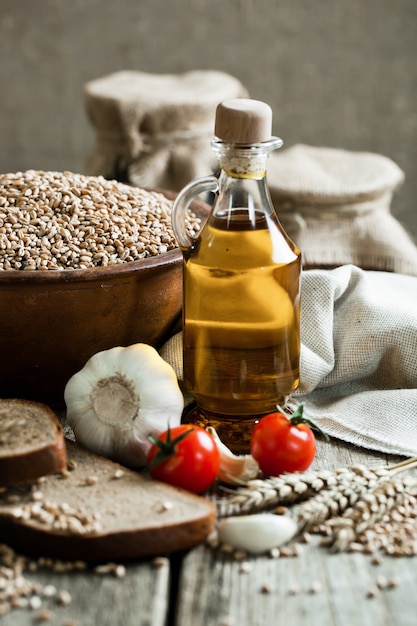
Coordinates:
(283,443)
(185,456)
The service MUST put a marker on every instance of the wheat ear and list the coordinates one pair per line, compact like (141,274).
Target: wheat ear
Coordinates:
(289,489)
(368,510)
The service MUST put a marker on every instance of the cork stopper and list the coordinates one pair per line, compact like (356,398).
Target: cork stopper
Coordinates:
(243,121)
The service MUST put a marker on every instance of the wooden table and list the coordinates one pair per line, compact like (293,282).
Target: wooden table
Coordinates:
(208,588)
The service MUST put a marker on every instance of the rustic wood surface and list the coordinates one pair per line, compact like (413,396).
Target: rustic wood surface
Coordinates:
(206,588)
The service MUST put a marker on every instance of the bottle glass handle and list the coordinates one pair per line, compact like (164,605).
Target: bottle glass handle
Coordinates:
(181,204)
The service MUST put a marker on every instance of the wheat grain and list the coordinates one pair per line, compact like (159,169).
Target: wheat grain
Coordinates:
(17,591)
(62,516)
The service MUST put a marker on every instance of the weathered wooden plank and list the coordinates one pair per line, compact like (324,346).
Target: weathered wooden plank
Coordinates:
(338,453)
(314,588)
(141,598)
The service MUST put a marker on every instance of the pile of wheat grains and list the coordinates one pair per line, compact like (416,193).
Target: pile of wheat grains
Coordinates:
(62,220)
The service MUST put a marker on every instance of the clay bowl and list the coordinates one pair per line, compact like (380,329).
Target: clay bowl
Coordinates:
(52,322)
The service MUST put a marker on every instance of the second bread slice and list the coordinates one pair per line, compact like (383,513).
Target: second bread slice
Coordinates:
(32,442)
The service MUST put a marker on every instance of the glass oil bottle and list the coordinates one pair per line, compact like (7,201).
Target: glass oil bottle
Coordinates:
(241,282)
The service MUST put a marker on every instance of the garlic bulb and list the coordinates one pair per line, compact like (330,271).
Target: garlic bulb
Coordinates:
(256,533)
(121,396)
(234,469)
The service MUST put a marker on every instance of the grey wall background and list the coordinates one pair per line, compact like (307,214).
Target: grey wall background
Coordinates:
(339,73)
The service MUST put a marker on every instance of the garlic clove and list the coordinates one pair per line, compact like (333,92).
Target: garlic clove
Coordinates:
(257,533)
(119,397)
(234,469)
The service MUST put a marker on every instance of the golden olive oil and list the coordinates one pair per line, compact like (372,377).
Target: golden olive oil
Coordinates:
(241,315)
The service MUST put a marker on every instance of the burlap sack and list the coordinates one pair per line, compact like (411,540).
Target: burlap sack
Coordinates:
(336,206)
(358,375)
(154,130)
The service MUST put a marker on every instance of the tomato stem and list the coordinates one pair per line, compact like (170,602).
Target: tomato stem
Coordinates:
(166,448)
(298,418)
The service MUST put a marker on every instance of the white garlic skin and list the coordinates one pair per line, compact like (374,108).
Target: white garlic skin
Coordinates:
(256,533)
(143,397)
(234,469)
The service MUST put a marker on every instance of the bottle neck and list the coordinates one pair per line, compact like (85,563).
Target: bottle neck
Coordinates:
(239,195)
(244,161)
(243,167)
(242,179)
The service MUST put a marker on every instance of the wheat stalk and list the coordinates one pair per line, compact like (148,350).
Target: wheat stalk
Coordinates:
(287,489)
(320,495)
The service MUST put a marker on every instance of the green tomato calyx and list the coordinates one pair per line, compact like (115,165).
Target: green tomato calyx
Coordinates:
(166,448)
(298,417)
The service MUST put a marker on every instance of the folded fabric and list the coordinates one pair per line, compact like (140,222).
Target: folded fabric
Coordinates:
(358,375)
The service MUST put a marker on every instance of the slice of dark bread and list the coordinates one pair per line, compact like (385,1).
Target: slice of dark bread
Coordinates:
(32,441)
(99,511)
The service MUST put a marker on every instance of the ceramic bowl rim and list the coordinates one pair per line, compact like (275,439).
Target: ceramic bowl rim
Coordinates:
(35,277)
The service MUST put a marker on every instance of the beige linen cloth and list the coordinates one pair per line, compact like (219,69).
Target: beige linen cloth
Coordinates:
(358,358)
